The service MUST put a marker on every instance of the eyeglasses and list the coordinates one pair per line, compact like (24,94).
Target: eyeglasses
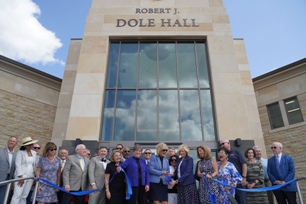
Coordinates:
(222,143)
(127,151)
(36,147)
(165,150)
(147,153)
(53,149)
(173,160)
(118,148)
(221,153)
(273,147)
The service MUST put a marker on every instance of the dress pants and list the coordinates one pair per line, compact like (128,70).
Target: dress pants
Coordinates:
(21,193)
(67,198)
(240,196)
(282,196)
(97,197)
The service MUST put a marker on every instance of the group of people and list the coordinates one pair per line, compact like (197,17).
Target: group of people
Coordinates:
(165,177)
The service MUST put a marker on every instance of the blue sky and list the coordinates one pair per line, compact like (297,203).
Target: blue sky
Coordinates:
(38,32)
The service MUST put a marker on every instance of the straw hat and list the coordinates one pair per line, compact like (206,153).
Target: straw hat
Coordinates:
(27,141)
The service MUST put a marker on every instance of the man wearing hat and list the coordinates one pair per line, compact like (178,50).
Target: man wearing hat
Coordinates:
(25,167)
(7,163)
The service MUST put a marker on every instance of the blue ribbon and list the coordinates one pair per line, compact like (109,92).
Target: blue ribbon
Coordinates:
(168,178)
(78,193)
(269,188)
(212,197)
(82,193)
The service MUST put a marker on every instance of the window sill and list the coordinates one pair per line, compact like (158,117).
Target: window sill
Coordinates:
(287,127)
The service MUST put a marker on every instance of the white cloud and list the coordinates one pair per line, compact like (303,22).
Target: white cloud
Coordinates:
(22,37)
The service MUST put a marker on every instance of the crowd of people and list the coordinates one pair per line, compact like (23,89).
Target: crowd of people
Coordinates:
(166,177)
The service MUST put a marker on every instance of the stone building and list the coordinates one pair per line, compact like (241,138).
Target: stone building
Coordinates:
(28,102)
(281,99)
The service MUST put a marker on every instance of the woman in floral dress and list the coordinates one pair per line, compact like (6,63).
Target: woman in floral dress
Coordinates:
(228,174)
(208,167)
(48,168)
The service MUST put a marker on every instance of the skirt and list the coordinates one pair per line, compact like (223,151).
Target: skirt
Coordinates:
(158,191)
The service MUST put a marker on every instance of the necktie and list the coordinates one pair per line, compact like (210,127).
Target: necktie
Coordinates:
(103,160)
(277,161)
(81,164)
(63,165)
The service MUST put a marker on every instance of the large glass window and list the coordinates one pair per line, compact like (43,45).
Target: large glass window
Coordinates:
(158,91)
(275,116)
(293,111)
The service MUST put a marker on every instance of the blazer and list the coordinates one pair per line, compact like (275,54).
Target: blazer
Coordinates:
(96,171)
(21,162)
(73,175)
(285,172)
(186,169)
(5,165)
(131,168)
(155,169)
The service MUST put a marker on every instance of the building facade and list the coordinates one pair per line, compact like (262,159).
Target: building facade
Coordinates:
(28,102)
(151,71)
(281,98)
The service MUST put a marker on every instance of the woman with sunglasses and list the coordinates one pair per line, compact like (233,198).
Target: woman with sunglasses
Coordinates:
(48,168)
(25,164)
(159,168)
(172,191)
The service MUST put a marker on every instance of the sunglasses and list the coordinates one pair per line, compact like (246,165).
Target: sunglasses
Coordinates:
(173,160)
(36,147)
(127,151)
(222,143)
(147,153)
(53,149)
(273,147)
(165,150)
(118,148)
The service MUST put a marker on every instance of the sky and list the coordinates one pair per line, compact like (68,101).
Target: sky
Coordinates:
(38,32)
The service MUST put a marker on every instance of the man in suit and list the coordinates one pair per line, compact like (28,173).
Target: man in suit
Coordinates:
(75,174)
(281,170)
(126,152)
(63,154)
(96,171)
(237,158)
(7,163)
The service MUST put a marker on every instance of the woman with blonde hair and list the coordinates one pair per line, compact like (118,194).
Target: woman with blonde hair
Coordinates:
(159,168)
(49,168)
(115,190)
(207,169)
(184,178)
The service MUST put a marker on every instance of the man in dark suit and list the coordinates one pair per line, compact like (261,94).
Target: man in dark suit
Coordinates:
(281,170)
(7,164)
(75,174)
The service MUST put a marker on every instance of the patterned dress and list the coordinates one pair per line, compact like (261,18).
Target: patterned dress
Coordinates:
(229,175)
(48,171)
(207,168)
(255,172)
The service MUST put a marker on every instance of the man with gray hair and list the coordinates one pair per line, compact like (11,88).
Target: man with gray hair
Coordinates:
(7,163)
(281,170)
(75,174)
(264,163)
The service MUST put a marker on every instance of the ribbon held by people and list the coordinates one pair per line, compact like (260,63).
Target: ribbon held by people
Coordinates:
(82,193)
(269,188)
(212,197)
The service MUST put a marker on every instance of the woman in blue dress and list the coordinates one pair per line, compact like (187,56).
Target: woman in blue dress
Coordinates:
(48,168)
(228,174)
